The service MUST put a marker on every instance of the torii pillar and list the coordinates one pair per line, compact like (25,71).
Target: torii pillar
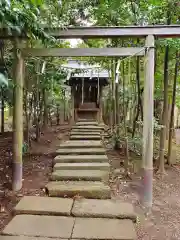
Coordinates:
(148,109)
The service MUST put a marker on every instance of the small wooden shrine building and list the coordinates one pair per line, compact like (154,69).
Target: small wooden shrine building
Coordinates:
(86,82)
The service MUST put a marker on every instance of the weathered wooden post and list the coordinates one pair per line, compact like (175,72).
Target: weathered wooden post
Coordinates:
(100,117)
(147,163)
(17,119)
(72,104)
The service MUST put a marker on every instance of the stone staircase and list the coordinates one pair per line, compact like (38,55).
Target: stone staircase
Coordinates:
(79,205)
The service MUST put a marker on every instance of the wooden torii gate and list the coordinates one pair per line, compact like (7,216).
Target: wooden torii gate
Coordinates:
(148,32)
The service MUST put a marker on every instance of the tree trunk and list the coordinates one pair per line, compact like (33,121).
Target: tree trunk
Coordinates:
(117,103)
(64,108)
(110,109)
(113,94)
(171,124)
(126,162)
(37,105)
(177,120)
(45,115)
(27,108)
(50,118)
(164,114)
(27,111)
(138,109)
(2,110)
(161,169)
(57,115)
(168,120)
(26,114)
(138,85)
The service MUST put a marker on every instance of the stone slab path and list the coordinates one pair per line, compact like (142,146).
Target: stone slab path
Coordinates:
(79,123)
(83,132)
(81,144)
(87,127)
(100,228)
(81,158)
(44,206)
(89,189)
(70,227)
(94,208)
(40,226)
(79,204)
(103,209)
(81,151)
(104,166)
(78,175)
(85,137)
(27,238)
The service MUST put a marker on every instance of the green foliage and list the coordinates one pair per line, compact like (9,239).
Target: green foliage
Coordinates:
(21,16)
(30,16)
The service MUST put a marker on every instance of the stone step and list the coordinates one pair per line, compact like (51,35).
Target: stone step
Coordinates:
(81,151)
(69,228)
(79,175)
(85,137)
(92,208)
(82,166)
(87,128)
(97,190)
(40,226)
(85,133)
(81,159)
(109,208)
(83,120)
(106,229)
(86,123)
(80,144)
(37,205)
(26,238)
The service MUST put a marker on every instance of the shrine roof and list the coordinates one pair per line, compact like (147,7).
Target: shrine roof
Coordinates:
(78,70)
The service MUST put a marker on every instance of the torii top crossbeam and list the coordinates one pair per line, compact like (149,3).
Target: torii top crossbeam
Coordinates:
(123,31)
(105,32)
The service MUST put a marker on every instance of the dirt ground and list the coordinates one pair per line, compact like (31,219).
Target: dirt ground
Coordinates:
(164,221)
(36,169)
(162,224)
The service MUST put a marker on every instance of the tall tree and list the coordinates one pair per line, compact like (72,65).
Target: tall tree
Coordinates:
(165,105)
(171,124)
